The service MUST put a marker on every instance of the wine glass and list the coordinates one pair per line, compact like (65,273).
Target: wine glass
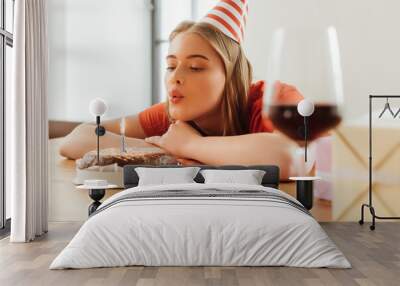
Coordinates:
(307,59)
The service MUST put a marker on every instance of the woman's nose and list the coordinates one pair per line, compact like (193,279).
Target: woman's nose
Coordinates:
(177,77)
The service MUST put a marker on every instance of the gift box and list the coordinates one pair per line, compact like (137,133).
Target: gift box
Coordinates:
(350,152)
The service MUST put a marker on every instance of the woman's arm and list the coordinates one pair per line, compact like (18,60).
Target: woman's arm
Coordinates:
(248,149)
(83,138)
(133,128)
(183,141)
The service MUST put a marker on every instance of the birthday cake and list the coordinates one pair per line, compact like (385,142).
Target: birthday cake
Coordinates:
(112,160)
(132,156)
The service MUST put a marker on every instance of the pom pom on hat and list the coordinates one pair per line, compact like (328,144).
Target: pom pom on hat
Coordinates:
(229,16)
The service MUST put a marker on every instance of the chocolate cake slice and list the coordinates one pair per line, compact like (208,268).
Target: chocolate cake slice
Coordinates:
(132,156)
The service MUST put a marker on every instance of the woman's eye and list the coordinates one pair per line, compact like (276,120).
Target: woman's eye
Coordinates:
(196,69)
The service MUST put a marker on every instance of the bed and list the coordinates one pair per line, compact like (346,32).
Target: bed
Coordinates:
(201,224)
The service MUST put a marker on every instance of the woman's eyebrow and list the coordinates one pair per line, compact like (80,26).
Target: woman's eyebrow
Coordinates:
(189,57)
(197,56)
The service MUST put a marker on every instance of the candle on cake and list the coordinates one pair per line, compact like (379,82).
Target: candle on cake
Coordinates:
(122,131)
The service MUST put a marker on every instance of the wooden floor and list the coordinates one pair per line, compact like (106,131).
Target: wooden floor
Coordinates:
(375,257)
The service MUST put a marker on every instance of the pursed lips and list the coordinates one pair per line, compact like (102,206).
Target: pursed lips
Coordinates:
(175,96)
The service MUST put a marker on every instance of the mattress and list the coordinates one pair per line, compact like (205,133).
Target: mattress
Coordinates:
(198,224)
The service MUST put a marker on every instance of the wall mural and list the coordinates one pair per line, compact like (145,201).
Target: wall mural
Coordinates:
(214,110)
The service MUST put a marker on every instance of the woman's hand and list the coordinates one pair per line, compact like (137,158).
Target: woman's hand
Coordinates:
(188,162)
(178,139)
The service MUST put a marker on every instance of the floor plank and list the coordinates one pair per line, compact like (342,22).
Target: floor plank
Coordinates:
(375,257)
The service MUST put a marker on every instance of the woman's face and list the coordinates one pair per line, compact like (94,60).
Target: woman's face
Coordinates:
(195,77)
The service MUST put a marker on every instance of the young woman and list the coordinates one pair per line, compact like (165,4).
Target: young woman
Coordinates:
(213,114)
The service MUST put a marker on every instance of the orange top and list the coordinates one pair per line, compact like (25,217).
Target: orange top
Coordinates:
(154,120)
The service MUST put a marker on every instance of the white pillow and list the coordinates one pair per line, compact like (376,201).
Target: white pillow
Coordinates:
(160,176)
(249,177)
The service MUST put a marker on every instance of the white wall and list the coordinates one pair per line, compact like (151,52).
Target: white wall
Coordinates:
(98,48)
(369,38)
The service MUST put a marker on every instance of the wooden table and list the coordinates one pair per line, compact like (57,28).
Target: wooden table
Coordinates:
(66,203)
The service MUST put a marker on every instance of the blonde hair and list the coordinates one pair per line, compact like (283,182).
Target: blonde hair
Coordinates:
(238,73)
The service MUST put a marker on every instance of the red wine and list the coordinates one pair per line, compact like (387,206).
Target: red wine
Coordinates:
(287,120)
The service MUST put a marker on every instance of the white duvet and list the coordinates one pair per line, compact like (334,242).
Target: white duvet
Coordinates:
(200,231)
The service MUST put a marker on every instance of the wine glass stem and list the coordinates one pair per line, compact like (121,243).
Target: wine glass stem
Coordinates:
(305,138)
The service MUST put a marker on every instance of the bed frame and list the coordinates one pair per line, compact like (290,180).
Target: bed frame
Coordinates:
(270,179)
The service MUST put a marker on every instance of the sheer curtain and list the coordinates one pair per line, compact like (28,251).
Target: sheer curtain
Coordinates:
(27,126)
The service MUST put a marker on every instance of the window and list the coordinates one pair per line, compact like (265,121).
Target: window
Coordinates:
(167,15)
(98,48)
(6,44)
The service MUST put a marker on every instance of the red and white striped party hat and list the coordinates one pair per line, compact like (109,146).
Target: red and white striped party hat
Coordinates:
(229,16)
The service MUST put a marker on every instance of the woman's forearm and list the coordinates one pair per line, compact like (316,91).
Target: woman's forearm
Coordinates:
(84,139)
(249,149)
